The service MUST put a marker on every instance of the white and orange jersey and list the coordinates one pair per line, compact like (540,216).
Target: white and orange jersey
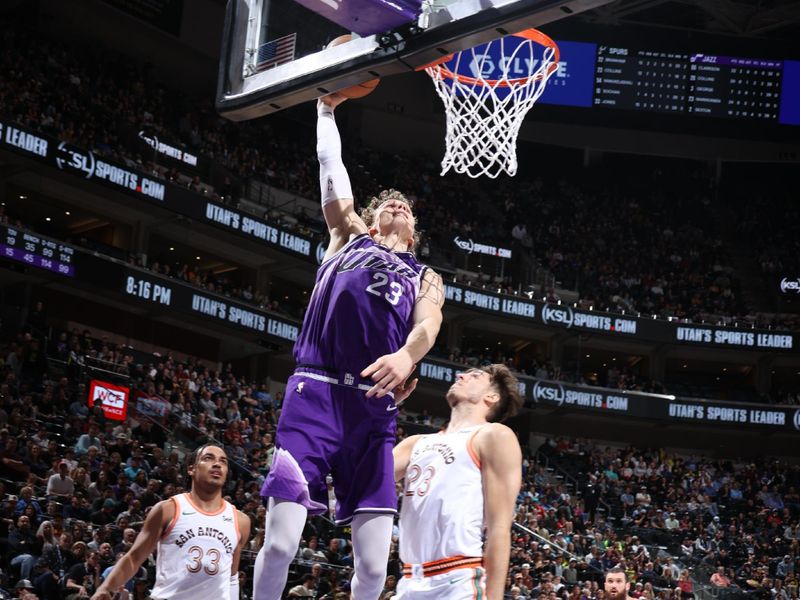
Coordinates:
(195,553)
(442,505)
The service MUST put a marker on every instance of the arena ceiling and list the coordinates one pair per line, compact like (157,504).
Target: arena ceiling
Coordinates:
(770,19)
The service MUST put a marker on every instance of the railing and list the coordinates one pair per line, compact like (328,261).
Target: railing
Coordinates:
(539,457)
(713,592)
(94,366)
(551,544)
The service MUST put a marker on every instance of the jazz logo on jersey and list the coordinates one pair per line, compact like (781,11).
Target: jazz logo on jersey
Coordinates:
(373,259)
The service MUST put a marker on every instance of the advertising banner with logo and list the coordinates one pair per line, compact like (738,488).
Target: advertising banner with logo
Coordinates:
(113,398)
(571,85)
(170,294)
(470,247)
(164,149)
(630,327)
(142,285)
(790,285)
(84,164)
(151,406)
(87,165)
(653,407)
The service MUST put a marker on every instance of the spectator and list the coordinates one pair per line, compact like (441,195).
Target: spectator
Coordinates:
(785,568)
(78,407)
(139,577)
(516,593)
(128,537)
(719,578)
(304,589)
(12,465)
(334,554)
(61,486)
(24,590)
(25,545)
(26,500)
(106,514)
(83,578)
(88,439)
(685,585)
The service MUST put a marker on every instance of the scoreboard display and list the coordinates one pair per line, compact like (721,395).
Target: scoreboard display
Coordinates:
(694,84)
(641,79)
(739,88)
(31,249)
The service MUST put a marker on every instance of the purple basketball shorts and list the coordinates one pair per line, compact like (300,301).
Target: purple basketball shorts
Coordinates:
(328,425)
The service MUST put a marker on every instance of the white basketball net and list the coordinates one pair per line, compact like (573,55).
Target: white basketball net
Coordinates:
(482,125)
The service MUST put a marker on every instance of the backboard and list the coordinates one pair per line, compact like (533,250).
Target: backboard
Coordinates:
(274,52)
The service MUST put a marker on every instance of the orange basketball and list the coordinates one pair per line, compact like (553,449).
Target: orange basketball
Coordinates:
(359,90)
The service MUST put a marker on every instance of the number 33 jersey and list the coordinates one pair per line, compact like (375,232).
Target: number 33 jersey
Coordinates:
(361,308)
(442,503)
(195,553)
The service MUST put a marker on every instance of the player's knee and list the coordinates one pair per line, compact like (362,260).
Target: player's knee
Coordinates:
(372,569)
(280,549)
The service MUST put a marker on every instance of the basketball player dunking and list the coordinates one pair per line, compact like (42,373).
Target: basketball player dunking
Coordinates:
(198,537)
(374,313)
(459,483)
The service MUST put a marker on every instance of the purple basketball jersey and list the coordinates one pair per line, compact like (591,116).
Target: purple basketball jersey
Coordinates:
(361,308)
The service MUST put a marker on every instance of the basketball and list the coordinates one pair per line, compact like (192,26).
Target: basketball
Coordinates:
(362,89)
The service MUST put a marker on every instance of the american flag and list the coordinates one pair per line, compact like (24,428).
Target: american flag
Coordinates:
(276,52)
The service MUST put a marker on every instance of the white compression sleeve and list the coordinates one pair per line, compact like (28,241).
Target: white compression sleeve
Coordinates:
(372,535)
(334,182)
(285,522)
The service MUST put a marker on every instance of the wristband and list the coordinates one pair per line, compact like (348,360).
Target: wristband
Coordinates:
(234,587)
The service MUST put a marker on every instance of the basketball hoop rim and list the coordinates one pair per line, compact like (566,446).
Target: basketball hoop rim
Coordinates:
(533,35)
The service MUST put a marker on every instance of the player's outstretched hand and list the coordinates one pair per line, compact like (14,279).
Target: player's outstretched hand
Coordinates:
(404,390)
(333,100)
(389,371)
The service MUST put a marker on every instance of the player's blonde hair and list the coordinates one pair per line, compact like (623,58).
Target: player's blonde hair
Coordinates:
(369,211)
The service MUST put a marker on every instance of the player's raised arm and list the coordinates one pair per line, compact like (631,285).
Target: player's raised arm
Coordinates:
(158,517)
(501,466)
(338,206)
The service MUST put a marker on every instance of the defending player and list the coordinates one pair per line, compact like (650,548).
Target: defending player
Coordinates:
(198,537)
(616,584)
(374,313)
(458,483)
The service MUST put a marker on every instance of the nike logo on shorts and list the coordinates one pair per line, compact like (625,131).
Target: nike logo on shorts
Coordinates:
(189,513)
(391,408)
(456,580)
